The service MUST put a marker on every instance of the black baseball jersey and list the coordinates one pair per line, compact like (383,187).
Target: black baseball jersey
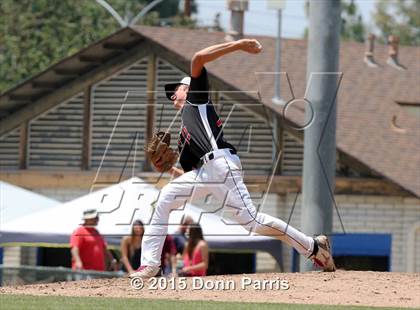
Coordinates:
(201,129)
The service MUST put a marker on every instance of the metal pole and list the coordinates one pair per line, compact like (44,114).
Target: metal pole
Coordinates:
(277,98)
(319,145)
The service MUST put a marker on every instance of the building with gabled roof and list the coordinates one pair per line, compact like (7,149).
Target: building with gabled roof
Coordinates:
(85,120)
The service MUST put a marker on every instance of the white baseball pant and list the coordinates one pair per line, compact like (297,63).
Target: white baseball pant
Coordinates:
(222,178)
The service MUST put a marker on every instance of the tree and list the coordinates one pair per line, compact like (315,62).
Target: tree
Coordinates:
(398,17)
(352,26)
(46,31)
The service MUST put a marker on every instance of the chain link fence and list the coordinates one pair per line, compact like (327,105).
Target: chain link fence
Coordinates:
(38,274)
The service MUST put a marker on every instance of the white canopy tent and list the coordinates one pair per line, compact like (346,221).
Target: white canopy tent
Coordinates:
(16,202)
(118,206)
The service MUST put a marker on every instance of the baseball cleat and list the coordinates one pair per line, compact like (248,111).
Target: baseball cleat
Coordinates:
(145,272)
(323,258)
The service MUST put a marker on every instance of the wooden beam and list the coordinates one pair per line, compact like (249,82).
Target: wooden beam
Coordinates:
(22,97)
(126,45)
(23,145)
(76,72)
(45,85)
(87,132)
(38,179)
(151,105)
(115,46)
(72,88)
(92,59)
(68,72)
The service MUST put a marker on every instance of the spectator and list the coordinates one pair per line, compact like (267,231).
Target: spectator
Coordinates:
(88,247)
(179,236)
(131,248)
(168,258)
(196,253)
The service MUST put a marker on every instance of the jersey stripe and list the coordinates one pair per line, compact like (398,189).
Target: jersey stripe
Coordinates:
(202,108)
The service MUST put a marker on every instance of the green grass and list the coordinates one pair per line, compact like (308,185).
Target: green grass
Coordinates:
(58,302)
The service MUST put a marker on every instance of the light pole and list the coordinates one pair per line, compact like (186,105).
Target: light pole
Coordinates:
(319,142)
(278,5)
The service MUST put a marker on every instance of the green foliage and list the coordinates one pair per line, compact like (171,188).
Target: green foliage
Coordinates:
(398,17)
(352,27)
(45,31)
(37,33)
(184,22)
(167,8)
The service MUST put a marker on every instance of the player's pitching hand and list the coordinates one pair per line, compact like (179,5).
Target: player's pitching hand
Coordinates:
(251,46)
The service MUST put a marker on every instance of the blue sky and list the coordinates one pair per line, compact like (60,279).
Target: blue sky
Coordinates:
(260,20)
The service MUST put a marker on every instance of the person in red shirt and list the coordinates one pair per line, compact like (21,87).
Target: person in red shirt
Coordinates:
(196,253)
(88,247)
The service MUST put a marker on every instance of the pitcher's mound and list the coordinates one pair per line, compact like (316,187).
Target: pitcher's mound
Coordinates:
(340,288)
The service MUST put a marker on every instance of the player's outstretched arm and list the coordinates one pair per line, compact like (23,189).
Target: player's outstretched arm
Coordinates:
(213,52)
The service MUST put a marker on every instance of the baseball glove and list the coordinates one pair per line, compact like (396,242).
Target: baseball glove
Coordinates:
(162,156)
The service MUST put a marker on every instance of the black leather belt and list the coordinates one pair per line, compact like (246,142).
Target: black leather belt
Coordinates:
(210,156)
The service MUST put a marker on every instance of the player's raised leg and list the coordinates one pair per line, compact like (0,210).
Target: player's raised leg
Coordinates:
(317,249)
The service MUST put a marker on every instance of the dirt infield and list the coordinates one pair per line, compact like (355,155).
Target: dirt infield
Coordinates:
(339,288)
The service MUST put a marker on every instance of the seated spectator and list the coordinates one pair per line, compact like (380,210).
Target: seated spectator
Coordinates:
(179,236)
(196,253)
(131,248)
(88,247)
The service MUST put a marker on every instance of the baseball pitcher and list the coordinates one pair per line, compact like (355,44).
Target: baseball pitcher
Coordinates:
(210,165)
